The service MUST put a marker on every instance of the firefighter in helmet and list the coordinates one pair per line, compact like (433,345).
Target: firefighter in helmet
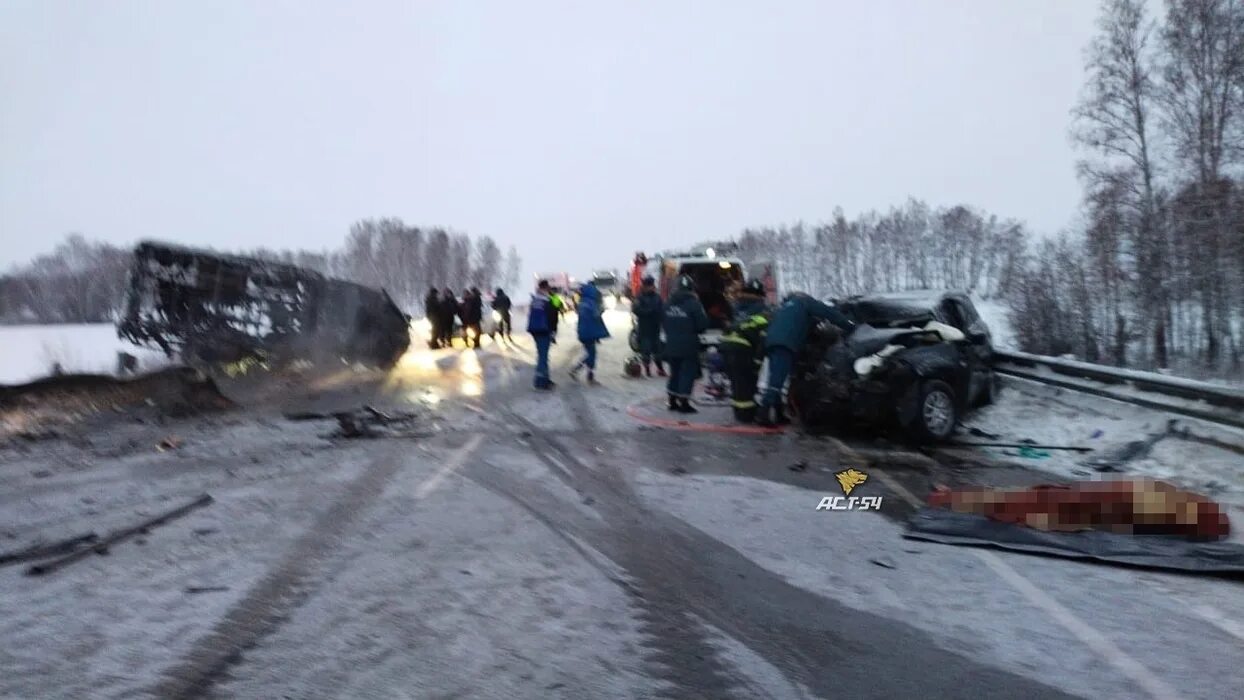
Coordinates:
(743,346)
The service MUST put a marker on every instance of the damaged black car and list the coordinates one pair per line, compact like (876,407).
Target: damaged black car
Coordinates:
(918,361)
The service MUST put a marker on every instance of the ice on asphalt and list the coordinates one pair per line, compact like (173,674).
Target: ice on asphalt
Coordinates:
(947,592)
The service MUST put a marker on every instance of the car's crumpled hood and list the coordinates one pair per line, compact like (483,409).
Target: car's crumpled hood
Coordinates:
(867,340)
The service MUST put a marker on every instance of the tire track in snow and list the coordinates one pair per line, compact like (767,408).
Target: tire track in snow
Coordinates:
(274,597)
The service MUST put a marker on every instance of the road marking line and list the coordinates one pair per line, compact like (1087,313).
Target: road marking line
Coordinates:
(1124,664)
(455,461)
(898,488)
(1090,637)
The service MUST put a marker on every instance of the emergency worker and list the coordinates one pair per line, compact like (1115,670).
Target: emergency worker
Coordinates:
(743,346)
(683,322)
(788,331)
(649,310)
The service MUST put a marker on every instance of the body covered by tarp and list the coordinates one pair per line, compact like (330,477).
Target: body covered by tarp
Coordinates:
(1138,522)
(1136,506)
(1156,551)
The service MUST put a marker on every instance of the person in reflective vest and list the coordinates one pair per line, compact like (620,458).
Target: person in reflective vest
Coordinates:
(743,347)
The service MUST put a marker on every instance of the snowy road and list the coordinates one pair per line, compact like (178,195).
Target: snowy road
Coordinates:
(547,546)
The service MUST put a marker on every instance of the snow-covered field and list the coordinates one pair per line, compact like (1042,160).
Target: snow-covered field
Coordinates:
(29,351)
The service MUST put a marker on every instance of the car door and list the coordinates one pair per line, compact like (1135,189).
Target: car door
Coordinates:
(978,350)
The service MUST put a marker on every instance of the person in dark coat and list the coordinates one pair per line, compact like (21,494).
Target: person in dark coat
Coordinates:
(683,321)
(591,329)
(449,311)
(501,304)
(431,308)
(649,310)
(538,317)
(788,331)
(743,347)
(472,313)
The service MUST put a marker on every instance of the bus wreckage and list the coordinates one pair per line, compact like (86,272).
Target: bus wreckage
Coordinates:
(212,308)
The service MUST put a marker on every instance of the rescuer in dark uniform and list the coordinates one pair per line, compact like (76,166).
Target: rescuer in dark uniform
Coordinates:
(649,310)
(743,346)
(683,322)
(788,331)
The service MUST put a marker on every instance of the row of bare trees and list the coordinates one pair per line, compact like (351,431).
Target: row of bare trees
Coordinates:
(80,281)
(1156,278)
(408,260)
(84,282)
(909,247)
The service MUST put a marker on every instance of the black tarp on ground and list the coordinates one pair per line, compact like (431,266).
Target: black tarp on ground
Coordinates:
(1155,551)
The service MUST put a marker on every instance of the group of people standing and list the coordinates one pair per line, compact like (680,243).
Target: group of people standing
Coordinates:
(443,308)
(756,332)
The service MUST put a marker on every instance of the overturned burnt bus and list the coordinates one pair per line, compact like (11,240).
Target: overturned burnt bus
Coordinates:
(211,308)
(918,361)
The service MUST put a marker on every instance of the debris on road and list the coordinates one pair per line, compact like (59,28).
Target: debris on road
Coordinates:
(365,422)
(45,550)
(206,589)
(1128,506)
(801,465)
(171,442)
(101,546)
(1021,446)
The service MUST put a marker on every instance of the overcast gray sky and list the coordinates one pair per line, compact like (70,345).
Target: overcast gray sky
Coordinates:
(578,131)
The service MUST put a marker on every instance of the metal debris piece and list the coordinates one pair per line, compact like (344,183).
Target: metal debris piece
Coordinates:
(171,442)
(48,549)
(206,589)
(116,537)
(1021,445)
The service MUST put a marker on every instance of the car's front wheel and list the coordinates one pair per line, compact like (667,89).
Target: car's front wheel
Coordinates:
(936,413)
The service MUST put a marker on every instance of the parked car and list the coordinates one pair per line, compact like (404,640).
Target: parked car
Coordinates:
(918,360)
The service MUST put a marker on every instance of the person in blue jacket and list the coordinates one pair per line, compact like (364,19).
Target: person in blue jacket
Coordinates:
(539,325)
(592,330)
(788,331)
(648,310)
(684,320)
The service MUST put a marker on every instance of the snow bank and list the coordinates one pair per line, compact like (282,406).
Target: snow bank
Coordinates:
(28,352)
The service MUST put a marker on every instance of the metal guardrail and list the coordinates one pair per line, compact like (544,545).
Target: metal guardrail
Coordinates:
(1216,403)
